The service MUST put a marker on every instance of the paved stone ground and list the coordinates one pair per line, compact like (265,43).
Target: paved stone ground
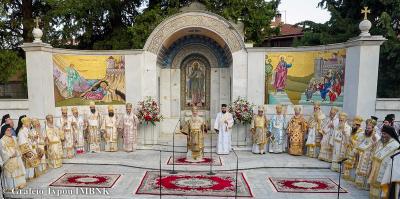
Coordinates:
(132,167)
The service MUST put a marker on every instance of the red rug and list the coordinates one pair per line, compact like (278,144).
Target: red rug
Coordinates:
(305,185)
(86,180)
(181,160)
(194,184)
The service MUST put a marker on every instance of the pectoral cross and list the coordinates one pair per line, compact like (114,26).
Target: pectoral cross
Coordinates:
(365,11)
(37,21)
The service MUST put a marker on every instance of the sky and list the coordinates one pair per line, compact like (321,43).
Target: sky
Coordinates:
(301,10)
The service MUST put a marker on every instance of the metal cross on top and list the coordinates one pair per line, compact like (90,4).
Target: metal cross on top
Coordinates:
(37,21)
(365,11)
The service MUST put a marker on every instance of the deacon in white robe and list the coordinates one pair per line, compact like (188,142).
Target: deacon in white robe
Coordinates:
(223,126)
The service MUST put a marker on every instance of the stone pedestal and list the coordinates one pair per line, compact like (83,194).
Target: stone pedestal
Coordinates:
(148,134)
(241,135)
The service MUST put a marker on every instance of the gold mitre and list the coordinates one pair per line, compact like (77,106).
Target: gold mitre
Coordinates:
(317,104)
(335,109)
(343,115)
(371,122)
(194,108)
(64,109)
(297,108)
(261,108)
(91,103)
(49,116)
(128,105)
(74,109)
(35,121)
(110,108)
(26,120)
(357,120)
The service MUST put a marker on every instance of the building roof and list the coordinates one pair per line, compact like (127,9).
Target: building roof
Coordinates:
(287,29)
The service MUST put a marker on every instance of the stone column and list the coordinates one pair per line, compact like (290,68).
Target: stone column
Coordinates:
(39,70)
(361,75)
(239,75)
(256,76)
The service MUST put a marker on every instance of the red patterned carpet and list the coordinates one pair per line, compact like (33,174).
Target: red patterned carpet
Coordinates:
(305,185)
(194,184)
(86,180)
(181,160)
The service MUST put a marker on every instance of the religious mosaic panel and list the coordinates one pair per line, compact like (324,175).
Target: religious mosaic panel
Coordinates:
(304,77)
(79,79)
(195,84)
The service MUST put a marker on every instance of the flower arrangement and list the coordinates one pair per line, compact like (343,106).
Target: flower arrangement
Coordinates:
(149,111)
(242,111)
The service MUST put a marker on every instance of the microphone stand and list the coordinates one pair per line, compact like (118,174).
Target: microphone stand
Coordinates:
(391,173)
(173,149)
(237,172)
(159,178)
(237,137)
(340,174)
(211,157)
(1,182)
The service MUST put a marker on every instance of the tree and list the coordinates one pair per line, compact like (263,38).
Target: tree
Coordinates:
(343,25)
(10,64)
(256,15)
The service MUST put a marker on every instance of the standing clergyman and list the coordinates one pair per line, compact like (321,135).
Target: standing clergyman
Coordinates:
(259,130)
(223,126)
(129,125)
(93,126)
(64,124)
(195,128)
(78,126)
(277,127)
(109,128)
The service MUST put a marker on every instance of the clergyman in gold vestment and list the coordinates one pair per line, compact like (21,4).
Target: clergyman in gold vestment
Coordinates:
(195,128)
(259,131)
(297,128)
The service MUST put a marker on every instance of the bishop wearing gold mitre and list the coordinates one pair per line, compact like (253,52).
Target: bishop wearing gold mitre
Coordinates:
(195,128)
(339,141)
(297,128)
(259,129)
(27,148)
(109,127)
(93,128)
(53,143)
(314,136)
(367,141)
(355,138)
(65,125)
(328,127)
